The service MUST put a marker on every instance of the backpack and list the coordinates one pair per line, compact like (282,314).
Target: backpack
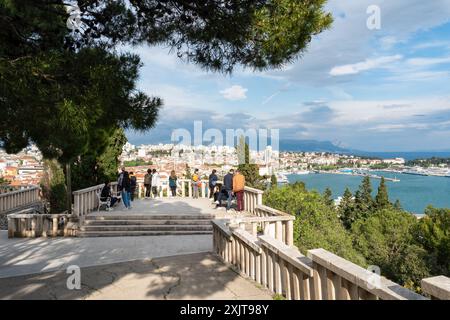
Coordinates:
(195,177)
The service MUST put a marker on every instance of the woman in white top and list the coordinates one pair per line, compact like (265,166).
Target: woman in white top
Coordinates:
(156,183)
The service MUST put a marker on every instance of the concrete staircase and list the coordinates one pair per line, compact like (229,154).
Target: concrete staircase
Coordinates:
(108,225)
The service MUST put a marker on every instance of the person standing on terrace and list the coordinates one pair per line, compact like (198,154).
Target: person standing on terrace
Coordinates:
(126,189)
(148,183)
(196,183)
(133,185)
(212,182)
(173,183)
(238,189)
(156,183)
(228,187)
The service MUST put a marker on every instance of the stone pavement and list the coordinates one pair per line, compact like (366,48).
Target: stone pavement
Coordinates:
(194,276)
(21,256)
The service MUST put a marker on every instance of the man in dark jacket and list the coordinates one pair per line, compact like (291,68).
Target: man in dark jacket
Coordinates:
(228,188)
(212,183)
(133,185)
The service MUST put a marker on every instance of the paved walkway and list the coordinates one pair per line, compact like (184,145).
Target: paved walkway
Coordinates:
(20,256)
(195,276)
(171,206)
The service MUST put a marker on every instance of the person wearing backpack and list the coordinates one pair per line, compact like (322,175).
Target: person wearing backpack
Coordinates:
(196,183)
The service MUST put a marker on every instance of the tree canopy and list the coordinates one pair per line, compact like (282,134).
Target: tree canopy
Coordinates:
(68,89)
(317,224)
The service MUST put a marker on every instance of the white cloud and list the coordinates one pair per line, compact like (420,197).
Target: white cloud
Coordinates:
(424,62)
(368,64)
(234,93)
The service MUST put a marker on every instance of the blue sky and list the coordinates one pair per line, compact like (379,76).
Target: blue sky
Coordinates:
(374,90)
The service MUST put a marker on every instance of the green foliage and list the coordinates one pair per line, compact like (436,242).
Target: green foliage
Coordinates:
(346,209)
(382,197)
(385,239)
(363,199)
(273,181)
(3,181)
(54,187)
(434,161)
(249,170)
(99,164)
(380,166)
(278,297)
(328,197)
(136,163)
(433,233)
(316,224)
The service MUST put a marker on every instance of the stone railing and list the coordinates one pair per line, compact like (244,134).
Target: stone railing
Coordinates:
(28,224)
(278,227)
(184,189)
(252,199)
(321,276)
(19,199)
(438,288)
(86,200)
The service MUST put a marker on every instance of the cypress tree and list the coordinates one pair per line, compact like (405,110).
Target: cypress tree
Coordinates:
(346,209)
(328,197)
(382,197)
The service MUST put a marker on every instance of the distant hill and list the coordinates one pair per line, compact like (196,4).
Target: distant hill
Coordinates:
(311,146)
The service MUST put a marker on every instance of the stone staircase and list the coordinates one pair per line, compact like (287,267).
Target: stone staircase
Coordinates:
(108,225)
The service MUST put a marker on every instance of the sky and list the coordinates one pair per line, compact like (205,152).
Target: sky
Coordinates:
(382,89)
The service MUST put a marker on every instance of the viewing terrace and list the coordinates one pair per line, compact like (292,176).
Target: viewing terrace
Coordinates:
(186,249)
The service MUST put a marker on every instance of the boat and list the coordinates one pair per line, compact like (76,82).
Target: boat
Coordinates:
(302,172)
(281,178)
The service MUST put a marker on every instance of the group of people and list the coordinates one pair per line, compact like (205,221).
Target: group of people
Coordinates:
(126,186)
(232,186)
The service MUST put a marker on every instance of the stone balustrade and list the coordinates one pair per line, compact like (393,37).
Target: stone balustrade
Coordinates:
(438,288)
(278,227)
(19,199)
(86,200)
(252,198)
(29,224)
(184,189)
(321,275)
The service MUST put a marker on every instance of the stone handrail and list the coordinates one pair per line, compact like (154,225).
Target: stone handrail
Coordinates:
(438,288)
(29,224)
(86,200)
(184,189)
(321,275)
(19,199)
(265,260)
(340,279)
(252,198)
(278,227)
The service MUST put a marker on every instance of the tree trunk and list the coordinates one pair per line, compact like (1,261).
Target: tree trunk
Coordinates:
(69,188)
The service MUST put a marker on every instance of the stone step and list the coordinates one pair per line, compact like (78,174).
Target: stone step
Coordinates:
(86,234)
(151,217)
(148,228)
(148,222)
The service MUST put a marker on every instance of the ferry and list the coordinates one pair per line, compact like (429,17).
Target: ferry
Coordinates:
(281,178)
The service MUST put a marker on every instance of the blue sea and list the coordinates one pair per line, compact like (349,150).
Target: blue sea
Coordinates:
(414,192)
